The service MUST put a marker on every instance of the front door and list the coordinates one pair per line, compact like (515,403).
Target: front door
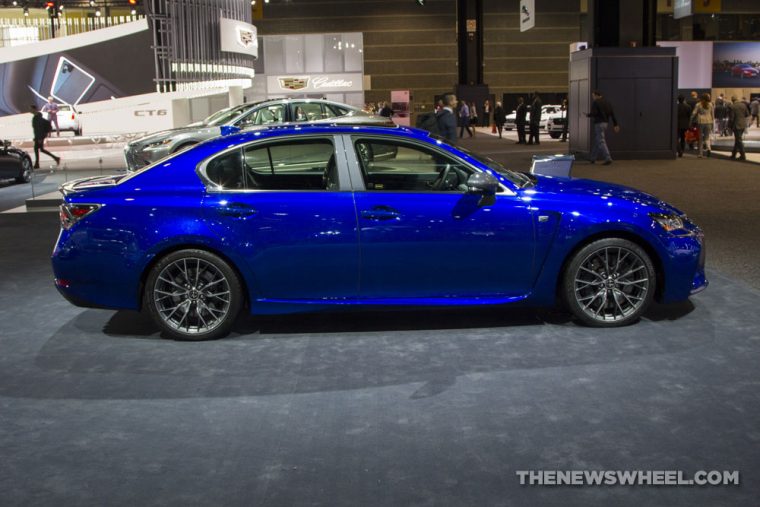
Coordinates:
(282,204)
(423,236)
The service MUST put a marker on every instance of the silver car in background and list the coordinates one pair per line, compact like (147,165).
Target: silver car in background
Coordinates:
(153,147)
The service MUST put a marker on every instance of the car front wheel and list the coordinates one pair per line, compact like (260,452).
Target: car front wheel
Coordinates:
(193,295)
(609,283)
(26,171)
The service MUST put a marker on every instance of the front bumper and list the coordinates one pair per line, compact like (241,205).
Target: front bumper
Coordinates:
(137,157)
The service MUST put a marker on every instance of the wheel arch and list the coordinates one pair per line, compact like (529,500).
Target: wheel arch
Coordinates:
(191,246)
(621,234)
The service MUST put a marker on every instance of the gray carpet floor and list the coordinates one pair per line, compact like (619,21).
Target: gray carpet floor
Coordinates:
(422,407)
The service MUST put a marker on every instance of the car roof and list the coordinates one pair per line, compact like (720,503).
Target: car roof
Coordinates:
(244,137)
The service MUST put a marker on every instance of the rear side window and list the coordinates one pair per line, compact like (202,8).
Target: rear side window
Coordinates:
(307,164)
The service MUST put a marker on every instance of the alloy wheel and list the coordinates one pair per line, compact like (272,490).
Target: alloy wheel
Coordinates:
(611,284)
(192,296)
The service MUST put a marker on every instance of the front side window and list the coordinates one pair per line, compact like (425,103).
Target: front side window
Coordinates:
(307,164)
(389,165)
(308,111)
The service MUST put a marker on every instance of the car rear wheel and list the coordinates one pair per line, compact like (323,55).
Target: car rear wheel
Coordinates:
(609,283)
(555,135)
(193,295)
(26,171)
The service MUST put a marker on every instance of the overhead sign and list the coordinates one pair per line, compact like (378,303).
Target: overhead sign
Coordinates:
(239,37)
(527,14)
(315,83)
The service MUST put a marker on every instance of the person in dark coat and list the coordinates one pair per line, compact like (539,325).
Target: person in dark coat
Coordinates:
(565,120)
(520,114)
(41,128)
(535,119)
(386,111)
(499,117)
(684,119)
(738,114)
(601,113)
(447,121)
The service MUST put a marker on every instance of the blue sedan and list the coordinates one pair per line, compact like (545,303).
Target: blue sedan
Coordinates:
(306,218)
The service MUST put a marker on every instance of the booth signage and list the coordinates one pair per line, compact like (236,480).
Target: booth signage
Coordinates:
(239,37)
(325,83)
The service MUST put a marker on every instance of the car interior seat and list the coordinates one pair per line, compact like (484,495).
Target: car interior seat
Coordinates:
(330,176)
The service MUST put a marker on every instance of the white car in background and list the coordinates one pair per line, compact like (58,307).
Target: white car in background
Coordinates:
(68,119)
(547,111)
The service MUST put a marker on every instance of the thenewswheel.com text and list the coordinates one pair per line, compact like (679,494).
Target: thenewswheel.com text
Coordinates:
(627,478)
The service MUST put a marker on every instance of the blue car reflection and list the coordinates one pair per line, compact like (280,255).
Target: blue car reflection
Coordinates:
(301,219)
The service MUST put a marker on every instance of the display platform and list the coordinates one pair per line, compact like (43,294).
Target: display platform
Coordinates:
(371,408)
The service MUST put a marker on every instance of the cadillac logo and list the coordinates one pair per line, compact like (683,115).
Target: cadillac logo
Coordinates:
(246,37)
(293,83)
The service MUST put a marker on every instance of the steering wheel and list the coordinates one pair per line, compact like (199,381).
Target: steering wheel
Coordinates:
(441,183)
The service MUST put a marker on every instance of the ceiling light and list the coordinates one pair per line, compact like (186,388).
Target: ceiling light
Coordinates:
(97,12)
(133,12)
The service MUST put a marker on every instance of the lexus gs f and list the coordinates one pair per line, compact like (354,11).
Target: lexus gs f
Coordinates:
(295,219)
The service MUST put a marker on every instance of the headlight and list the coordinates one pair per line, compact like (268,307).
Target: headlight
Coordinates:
(158,144)
(668,221)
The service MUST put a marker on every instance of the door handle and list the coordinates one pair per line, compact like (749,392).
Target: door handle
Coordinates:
(237,210)
(380,213)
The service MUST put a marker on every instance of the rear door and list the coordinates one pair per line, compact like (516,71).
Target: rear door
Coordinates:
(286,206)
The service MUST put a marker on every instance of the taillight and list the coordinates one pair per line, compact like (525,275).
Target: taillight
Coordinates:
(73,116)
(73,213)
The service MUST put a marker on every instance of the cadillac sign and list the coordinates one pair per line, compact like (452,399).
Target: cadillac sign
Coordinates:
(239,37)
(293,83)
(320,83)
(246,37)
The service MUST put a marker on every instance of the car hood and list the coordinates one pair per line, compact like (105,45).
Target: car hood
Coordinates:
(164,134)
(573,188)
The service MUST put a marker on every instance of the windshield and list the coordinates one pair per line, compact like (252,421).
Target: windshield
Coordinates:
(225,115)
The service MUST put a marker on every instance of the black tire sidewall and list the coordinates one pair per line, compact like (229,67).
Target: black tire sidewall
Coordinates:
(236,295)
(568,281)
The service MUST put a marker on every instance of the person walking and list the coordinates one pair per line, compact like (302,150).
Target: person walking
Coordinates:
(51,108)
(738,122)
(535,119)
(486,120)
(601,113)
(684,119)
(499,117)
(565,120)
(464,119)
(520,113)
(42,129)
(473,117)
(703,116)
(754,109)
(447,121)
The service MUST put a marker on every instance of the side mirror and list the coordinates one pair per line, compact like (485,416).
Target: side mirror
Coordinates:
(482,184)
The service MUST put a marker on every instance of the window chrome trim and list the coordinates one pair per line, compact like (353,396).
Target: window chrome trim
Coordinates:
(211,187)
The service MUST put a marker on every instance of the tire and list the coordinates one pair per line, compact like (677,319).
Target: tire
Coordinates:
(26,171)
(555,135)
(78,132)
(609,283)
(180,298)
